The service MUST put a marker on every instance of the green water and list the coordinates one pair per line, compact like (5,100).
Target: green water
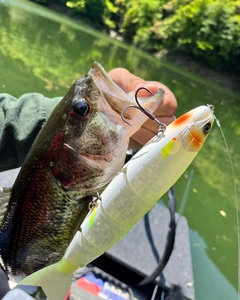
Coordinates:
(41,51)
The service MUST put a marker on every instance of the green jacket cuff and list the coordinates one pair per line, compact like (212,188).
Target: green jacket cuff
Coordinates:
(20,122)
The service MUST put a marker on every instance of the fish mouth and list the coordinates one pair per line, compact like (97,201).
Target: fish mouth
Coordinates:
(118,100)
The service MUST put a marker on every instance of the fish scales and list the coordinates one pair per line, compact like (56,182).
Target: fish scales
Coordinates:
(79,150)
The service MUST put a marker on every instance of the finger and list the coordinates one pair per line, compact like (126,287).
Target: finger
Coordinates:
(143,138)
(130,82)
(134,145)
(147,132)
(169,103)
(153,126)
(126,80)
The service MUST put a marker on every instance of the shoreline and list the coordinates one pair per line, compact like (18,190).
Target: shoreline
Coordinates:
(224,79)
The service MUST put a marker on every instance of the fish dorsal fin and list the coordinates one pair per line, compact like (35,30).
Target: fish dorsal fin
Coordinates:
(4,199)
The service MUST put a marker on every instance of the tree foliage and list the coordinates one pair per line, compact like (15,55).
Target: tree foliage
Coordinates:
(99,12)
(206,29)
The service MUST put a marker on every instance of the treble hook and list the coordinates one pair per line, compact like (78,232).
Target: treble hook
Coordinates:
(162,126)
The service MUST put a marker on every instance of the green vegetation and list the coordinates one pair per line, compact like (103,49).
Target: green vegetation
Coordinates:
(207,30)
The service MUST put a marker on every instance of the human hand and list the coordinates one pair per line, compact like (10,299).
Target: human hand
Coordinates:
(164,113)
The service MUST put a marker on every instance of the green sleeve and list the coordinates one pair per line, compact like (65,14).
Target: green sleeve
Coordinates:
(20,121)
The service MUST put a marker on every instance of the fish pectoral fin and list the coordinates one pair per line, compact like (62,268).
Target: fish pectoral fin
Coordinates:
(4,200)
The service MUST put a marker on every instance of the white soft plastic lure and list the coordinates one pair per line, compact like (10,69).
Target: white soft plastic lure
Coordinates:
(130,195)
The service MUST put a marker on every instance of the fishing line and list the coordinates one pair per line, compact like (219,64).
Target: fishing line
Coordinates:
(154,292)
(130,293)
(184,199)
(236,200)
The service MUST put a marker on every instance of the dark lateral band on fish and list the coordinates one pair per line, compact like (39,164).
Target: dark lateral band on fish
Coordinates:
(77,153)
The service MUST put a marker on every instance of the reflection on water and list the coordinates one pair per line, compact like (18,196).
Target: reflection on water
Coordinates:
(44,52)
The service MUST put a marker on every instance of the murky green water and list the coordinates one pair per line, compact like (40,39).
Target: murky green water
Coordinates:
(43,52)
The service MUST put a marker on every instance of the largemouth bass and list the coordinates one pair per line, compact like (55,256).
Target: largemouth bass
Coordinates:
(77,153)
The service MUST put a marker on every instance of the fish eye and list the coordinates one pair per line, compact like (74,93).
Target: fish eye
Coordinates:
(207,128)
(81,107)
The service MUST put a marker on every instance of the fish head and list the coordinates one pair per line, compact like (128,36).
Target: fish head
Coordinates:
(93,136)
(113,101)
